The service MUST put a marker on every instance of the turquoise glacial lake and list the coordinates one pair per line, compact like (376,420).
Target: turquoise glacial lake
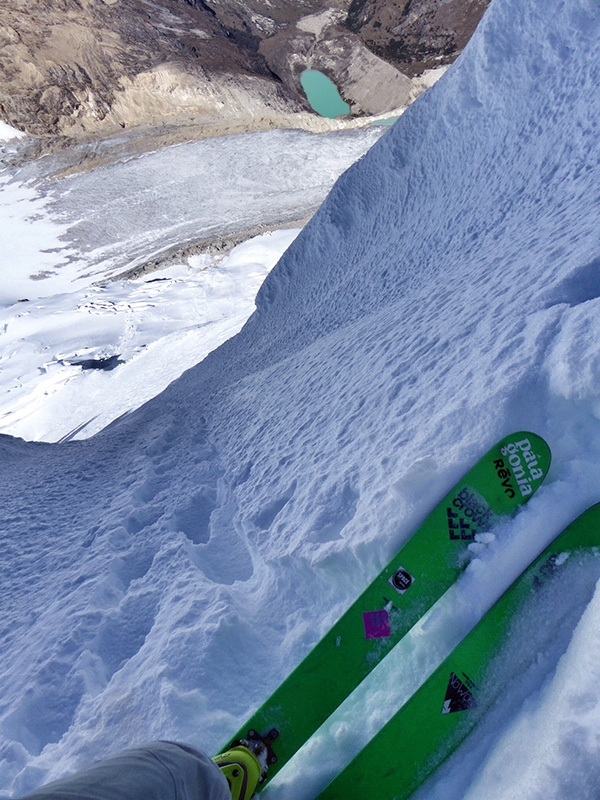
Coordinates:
(322,94)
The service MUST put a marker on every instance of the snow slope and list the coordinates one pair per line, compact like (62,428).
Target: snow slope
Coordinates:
(8,133)
(161,577)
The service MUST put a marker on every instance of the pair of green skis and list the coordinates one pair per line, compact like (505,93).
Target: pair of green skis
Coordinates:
(427,728)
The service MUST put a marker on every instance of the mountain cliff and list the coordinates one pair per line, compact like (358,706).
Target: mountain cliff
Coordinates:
(93,67)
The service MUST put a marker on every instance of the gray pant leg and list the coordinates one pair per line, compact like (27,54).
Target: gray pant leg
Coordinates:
(156,771)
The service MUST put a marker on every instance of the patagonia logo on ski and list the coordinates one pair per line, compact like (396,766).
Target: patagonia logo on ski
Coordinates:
(401,580)
(519,466)
(459,694)
(377,624)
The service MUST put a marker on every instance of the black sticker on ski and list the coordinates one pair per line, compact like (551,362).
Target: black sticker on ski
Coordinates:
(459,695)
(401,580)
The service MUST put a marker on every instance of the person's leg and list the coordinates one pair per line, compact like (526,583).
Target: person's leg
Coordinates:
(156,771)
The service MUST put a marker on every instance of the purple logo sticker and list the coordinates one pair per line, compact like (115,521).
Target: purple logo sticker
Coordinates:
(377,624)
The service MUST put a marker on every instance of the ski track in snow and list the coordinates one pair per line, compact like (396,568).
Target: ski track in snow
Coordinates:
(163,576)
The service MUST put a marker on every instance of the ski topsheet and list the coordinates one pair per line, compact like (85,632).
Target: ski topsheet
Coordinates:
(442,712)
(426,566)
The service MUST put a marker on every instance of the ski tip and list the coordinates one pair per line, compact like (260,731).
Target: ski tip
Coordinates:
(522,461)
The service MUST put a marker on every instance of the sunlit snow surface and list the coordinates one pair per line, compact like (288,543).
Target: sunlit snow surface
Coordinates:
(74,362)
(8,133)
(163,576)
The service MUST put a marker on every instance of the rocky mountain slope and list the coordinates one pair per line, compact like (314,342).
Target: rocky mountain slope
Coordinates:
(85,68)
(418,34)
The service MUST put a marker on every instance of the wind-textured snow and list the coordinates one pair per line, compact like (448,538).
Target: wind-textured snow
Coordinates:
(163,576)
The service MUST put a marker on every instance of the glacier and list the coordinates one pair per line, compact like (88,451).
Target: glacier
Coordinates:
(112,251)
(161,577)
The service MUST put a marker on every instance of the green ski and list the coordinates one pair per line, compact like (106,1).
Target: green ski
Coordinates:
(426,566)
(428,727)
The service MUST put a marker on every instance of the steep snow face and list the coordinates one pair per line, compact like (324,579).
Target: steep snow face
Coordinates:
(162,577)
(468,184)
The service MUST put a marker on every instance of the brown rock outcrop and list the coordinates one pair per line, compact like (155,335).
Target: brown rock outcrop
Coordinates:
(82,68)
(415,35)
